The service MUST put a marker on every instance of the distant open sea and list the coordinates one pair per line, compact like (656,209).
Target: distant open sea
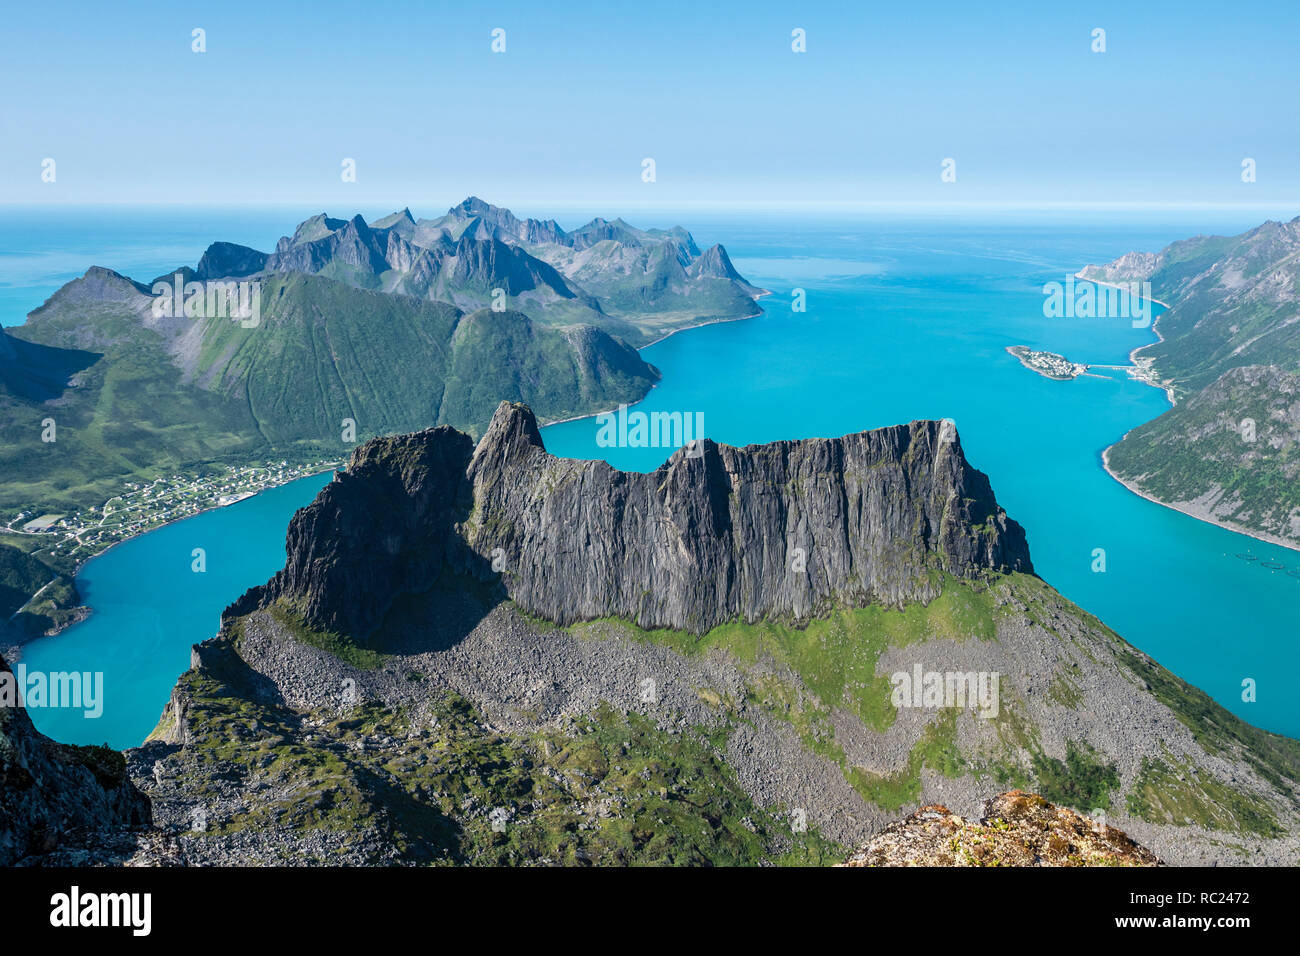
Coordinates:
(908,317)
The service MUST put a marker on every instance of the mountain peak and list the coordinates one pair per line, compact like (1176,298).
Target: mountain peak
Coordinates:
(317,227)
(473,206)
(401,219)
(715,262)
(512,432)
(223,260)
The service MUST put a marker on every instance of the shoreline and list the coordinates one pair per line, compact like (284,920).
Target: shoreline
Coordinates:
(1132,355)
(1117,285)
(685,328)
(700,325)
(1256,535)
(86,610)
(77,569)
(1135,369)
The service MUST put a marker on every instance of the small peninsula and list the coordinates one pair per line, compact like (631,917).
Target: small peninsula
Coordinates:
(1048,364)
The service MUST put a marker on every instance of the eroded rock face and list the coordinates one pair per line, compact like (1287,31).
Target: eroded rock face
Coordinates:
(54,796)
(1018,829)
(785,530)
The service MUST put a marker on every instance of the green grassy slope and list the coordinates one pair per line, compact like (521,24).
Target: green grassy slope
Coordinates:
(126,416)
(138,399)
(1200,447)
(327,351)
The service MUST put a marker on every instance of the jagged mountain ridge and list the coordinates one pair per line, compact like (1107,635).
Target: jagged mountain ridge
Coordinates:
(97,353)
(786,530)
(639,284)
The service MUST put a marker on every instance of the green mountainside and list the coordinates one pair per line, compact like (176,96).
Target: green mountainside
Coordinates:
(1229,451)
(1233,302)
(380,328)
(127,414)
(21,577)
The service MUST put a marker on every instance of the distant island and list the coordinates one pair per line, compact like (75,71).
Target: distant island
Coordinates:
(127,404)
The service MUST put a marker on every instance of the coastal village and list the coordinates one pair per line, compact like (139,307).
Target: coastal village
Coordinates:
(1048,364)
(145,505)
(1061,369)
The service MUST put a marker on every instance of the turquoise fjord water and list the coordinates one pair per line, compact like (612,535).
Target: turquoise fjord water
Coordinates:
(150,607)
(907,317)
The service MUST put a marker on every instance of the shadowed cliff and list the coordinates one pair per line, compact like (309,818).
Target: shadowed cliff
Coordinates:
(785,530)
(57,796)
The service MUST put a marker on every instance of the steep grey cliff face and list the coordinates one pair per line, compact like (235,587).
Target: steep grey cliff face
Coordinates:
(228,260)
(785,530)
(55,795)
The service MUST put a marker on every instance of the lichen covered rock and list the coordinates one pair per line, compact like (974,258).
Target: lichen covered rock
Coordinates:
(1018,829)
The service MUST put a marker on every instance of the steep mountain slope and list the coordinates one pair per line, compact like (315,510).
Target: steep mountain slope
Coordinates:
(1234,301)
(120,405)
(487,654)
(1230,454)
(871,518)
(76,801)
(36,373)
(1230,350)
(22,577)
(133,395)
(325,351)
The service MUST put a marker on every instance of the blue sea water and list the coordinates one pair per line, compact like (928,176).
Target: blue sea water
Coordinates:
(908,316)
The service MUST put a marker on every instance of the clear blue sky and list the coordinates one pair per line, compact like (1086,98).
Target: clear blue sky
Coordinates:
(710,90)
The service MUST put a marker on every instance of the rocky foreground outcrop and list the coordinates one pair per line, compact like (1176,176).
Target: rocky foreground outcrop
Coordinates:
(1017,829)
(786,530)
(55,798)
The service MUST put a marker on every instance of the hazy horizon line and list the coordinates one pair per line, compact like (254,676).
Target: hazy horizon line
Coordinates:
(680,204)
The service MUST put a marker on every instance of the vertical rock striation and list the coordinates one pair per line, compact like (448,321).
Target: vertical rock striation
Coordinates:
(785,530)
